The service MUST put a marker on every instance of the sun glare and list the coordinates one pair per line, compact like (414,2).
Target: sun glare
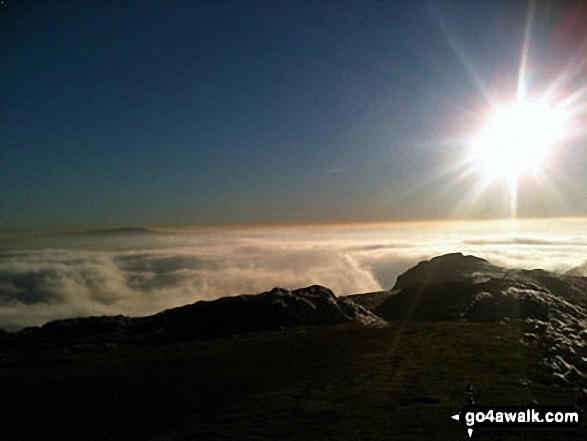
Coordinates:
(518,138)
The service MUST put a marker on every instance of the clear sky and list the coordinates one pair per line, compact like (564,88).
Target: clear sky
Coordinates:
(189,112)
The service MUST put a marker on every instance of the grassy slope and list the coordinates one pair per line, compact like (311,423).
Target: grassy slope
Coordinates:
(317,383)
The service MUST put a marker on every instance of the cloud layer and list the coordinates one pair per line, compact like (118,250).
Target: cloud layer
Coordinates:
(50,277)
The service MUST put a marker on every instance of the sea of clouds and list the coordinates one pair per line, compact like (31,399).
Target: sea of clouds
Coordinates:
(51,276)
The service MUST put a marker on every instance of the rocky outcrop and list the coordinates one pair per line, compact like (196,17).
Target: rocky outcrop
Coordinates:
(370,300)
(551,306)
(276,309)
(225,317)
(449,268)
(457,286)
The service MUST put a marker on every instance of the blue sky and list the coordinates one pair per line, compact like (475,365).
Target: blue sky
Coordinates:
(191,112)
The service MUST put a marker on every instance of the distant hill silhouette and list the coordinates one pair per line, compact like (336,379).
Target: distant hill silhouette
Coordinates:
(109,231)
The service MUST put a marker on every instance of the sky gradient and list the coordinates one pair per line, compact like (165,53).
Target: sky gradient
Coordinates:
(194,112)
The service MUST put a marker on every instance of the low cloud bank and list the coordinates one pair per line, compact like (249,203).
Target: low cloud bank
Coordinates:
(58,277)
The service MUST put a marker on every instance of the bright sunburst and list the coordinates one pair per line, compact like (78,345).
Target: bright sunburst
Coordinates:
(518,138)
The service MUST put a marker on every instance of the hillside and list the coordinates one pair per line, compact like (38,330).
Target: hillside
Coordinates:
(305,364)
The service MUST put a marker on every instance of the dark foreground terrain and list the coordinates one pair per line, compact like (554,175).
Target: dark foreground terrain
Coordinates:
(401,382)
(326,370)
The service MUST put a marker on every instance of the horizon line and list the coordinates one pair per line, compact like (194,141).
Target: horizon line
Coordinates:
(274,224)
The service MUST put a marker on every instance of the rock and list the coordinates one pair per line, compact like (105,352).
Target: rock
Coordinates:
(276,309)
(448,268)
(560,365)
(225,317)
(552,307)
(536,326)
(559,379)
(370,300)
(430,302)
(89,329)
(573,375)
(454,286)
(513,303)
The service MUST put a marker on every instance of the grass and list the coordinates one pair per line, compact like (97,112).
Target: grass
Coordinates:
(334,383)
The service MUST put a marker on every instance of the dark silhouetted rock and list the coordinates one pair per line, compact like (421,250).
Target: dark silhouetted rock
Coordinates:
(551,306)
(88,329)
(431,302)
(276,309)
(511,303)
(448,268)
(370,300)
(225,317)
(457,286)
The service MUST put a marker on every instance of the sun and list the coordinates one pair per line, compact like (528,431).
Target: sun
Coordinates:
(518,138)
